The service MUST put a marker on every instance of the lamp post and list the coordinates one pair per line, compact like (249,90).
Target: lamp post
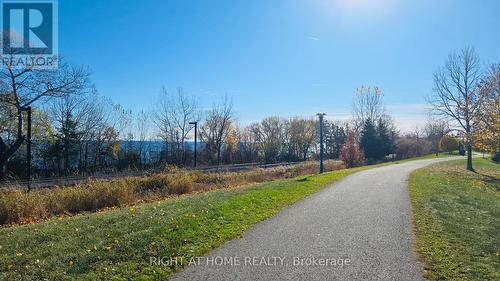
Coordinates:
(195,123)
(321,115)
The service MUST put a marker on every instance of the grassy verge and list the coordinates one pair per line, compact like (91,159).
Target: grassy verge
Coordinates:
(457,219)
(119,243)
(19,207)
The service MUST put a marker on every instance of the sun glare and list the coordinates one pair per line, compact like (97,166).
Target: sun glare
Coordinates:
(357,7)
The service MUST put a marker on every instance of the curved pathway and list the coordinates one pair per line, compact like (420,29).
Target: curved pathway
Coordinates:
(359,228)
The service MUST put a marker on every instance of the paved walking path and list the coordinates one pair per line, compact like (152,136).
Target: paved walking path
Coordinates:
(363,221)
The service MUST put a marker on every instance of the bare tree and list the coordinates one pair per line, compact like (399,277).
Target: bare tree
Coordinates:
(434,130)
(107,144)
(216,128)
(8,122)
(417,135)
(273,138)
(142,124)
(70,115)
(23,87)
(249,143)
(172,114)
(407,146)
(93,124)
(367,104)
(231,144)
(457,94)
(302,136)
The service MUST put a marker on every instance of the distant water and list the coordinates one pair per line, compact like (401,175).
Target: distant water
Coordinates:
(152,149)
(155,145)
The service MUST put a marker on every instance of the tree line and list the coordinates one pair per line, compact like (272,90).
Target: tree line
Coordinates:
(77,130)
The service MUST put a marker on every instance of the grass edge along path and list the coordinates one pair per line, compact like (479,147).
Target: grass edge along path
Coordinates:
(457,218)
(117,244)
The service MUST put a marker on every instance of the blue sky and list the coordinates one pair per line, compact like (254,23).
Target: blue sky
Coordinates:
(285,58)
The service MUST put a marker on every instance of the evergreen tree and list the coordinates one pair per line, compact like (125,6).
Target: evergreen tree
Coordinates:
(335,135)
(68,139)
(369,141)
(385,139)
(339,137)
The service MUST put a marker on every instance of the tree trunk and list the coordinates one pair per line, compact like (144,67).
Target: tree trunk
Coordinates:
(85,157)
(3,170)
(66,158)
(7,153)
(218,155)
(469,157)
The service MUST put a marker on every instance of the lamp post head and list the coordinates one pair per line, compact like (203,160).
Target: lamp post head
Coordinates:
(321,114)
(193,123)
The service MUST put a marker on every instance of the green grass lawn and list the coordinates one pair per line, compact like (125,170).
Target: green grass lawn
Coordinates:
(457,219)
(119,243)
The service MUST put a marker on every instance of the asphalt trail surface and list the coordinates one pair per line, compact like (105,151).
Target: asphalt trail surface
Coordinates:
(359,228)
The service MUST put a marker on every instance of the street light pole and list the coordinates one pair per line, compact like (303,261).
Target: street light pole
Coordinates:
(195,123)
(321,115)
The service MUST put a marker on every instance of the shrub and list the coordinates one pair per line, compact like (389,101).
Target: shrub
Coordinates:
(408,147)
(461,149)
(350,153)
(18,206)
(448,144)
(179,183)
(496,157)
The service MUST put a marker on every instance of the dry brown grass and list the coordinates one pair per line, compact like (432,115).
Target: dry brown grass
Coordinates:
(19,206)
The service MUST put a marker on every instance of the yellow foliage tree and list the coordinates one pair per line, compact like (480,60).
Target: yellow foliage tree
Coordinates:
(448,144)
(488,139)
